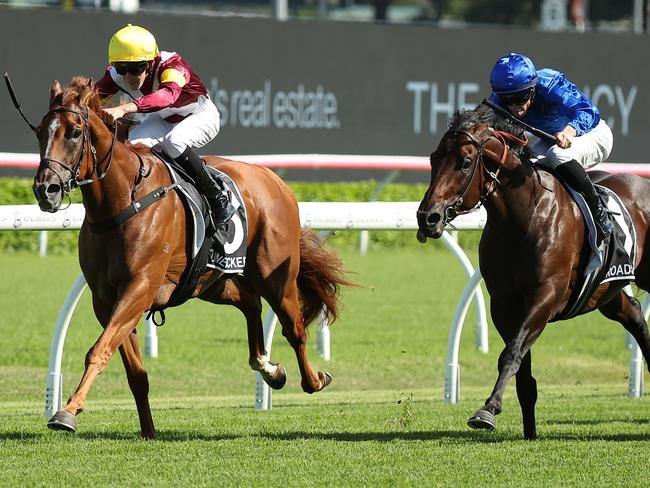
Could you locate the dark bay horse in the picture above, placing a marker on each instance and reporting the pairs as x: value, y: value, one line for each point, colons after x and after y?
x: 532, y: 249
x: 136, y: 266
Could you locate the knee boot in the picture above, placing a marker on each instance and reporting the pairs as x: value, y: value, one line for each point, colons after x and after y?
x: 219, y: 203
x: 575, y: 175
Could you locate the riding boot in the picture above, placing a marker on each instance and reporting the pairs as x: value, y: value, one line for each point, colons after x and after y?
x: 219, y: 202
x: 576, y: 177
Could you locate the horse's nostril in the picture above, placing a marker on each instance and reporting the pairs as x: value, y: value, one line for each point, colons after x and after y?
x: 433, y: 218
x: 53, y: 189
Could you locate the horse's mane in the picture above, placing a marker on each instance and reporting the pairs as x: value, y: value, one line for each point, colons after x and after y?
x: 484, y: 115
x: 82, y: 91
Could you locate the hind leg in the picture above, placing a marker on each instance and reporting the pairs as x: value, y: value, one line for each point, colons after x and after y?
x: 293, y: 329
x: 236, y: 291
x: 627, y: 311
x: 275, y: 279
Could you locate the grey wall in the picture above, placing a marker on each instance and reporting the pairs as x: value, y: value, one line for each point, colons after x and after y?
x: 306, y: 86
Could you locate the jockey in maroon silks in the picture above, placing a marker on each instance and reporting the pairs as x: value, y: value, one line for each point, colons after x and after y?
x: 178, y: 114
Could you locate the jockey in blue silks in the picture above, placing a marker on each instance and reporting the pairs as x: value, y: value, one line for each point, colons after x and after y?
x: 546, y: 100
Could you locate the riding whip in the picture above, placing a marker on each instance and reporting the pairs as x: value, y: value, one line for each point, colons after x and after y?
x: 514, y: 120
x: 15, y: 100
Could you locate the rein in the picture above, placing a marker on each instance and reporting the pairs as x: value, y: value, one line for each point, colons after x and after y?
x: 452, y: 211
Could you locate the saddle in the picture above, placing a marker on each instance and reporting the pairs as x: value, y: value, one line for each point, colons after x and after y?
x: 615, y: 258
x: 223, y: 249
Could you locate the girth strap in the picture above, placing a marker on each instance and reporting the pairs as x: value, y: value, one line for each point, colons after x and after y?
x: 131, y: 210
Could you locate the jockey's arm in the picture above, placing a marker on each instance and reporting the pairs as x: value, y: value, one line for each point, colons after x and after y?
x: 121, y: 110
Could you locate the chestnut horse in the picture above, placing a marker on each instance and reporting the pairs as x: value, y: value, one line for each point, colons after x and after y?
x: 532, y: 250
x: 136, y: 266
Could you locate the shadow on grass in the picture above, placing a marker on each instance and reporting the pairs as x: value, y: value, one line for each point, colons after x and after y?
x: 460, y: 436
x: 596, y: 421
x: 21, y: 436
x: 465, y: 436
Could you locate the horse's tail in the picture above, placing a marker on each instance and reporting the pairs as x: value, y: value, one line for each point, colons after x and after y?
x: 319, y: 279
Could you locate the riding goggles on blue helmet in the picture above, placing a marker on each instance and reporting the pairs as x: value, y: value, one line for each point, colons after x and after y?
x: 518, y: 98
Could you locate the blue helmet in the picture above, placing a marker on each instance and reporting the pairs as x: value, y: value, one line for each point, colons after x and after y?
x: 513, y: 73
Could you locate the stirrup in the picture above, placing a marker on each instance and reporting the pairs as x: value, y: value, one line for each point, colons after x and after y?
x: 222, y: 210
x: 604, y: 226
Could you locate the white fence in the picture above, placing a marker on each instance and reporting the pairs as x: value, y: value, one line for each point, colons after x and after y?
x: 330, y: 216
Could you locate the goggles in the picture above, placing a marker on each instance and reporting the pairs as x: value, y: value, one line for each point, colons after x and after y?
x: 133, y: 68
x: 518, y: 98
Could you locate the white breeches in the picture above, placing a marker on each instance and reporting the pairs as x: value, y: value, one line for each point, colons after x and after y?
x: 196, y: 130
x: 588, y: 149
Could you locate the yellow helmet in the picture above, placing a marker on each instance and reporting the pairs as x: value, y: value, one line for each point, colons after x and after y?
x: 132, y: 43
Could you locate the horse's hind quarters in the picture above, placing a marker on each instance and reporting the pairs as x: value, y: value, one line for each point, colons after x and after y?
x: 482, y: 419
x: 63, y: 420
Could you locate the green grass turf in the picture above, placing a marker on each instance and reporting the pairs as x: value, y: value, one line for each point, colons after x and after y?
x: 381, y: 421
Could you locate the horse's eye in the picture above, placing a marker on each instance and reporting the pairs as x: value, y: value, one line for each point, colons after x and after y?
x: 76, y: 132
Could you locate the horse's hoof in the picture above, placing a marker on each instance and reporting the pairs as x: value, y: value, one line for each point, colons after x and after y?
x: 280, y: 379
x: 148, y: 436
x: 325, y: 379
x: 63, y: 420
x: 530, y: 436
x: 482, y: 419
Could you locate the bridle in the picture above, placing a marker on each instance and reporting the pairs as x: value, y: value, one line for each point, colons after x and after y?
x: 75, y: 169
x: 65, y: 188
x: 453, y: 210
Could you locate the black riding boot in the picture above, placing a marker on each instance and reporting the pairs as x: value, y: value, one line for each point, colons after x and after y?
x: 575, y: 175
x: 221, y: 208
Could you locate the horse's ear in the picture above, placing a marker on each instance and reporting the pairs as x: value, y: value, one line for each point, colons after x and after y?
x: 90, y: 82
x: 56, y: 90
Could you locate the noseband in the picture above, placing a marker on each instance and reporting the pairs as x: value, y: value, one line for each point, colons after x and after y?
x: 452, y: 211
x: 75, y: 169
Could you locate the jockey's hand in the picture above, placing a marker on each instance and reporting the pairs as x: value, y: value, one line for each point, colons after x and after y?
x: 121, y: 110
x: 565, y: 136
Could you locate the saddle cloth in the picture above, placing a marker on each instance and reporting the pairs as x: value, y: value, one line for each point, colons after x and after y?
x: 615, y: 258
x: 224, y: 251
x: 228, y: 250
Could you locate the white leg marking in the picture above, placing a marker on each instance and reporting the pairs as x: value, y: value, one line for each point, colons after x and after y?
x: 264, y: 366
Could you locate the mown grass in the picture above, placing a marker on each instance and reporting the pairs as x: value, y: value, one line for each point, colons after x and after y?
x: 381, y: 422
